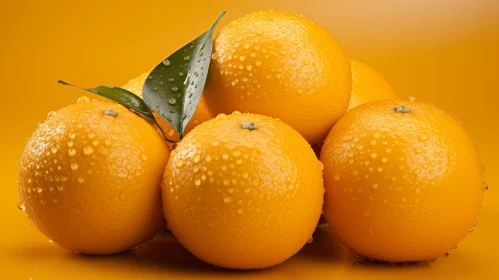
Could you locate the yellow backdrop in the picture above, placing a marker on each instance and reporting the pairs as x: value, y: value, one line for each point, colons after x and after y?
x: 444, y: 52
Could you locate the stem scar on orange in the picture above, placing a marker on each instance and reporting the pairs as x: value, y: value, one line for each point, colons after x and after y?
x: 283, y: 65
x: 403, y: 181
x: 240, y: 184
x: 89, y: 178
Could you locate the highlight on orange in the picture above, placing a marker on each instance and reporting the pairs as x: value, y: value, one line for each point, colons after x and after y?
x: 283, y: 65
x: 205, y: 164
x: 89, y: 178
x: 236, y: 185
x: 403, y: 180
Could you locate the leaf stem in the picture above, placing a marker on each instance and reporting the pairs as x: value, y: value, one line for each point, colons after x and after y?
x: 144, y: 112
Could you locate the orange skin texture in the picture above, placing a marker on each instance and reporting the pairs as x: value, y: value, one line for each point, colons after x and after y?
x: 401, y: 187
x: 368, y: 85
x: 201, y: 114
x: 90, y: 181
x: 243, y: 199
x: 283, y: 65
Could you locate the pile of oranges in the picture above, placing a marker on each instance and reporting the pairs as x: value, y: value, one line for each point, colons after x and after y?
x: 397, y: 180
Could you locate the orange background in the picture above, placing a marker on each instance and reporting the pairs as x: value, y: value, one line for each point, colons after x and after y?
x: 444, y: 52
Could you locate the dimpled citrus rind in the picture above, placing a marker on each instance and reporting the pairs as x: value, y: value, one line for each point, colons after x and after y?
x: 403, y: 181
x: 283, y: 65
x: 242, y: 198
x: 90, y: 175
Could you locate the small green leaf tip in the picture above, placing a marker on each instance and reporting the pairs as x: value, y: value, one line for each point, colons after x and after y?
x: 401, y: 109
x: 218, y: 20
x: 61, y: 82
x: 123, y: 97
x: 175, y: 85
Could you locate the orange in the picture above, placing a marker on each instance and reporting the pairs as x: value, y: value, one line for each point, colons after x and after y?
x: 283, y: 65
x: 90, y: 175
x: 243, y: 191
x: 201, y: 114
x: 403, y: 181
x: 368, y: 85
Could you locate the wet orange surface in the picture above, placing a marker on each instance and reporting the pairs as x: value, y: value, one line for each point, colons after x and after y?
x: 438, y: 51
x: 164, y: 258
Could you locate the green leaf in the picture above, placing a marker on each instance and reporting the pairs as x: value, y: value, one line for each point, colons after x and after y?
x: 123, y: 97
x: 174, y: 87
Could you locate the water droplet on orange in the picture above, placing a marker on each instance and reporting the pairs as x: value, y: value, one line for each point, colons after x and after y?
x: 179, y: 163
x: 422, y: 137
x: 196, y: 158
x: 88, y: 150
